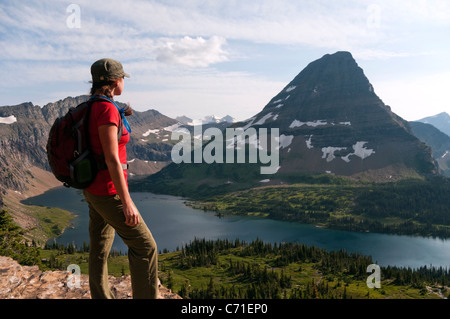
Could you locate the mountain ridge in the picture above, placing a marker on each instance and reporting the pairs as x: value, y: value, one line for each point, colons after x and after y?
x: 441, y: 121
x: 24, y: 135
x: 438, y: 141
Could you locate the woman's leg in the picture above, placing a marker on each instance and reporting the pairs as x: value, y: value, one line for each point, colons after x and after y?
x: 101, y: 237
x: 143, y: 258
x: 142, y: 249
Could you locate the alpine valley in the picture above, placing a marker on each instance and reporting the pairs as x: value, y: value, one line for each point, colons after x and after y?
x: 346, y: 162
x: 341, y: 152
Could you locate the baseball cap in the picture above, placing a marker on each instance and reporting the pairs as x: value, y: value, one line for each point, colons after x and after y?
x: 107, y: 69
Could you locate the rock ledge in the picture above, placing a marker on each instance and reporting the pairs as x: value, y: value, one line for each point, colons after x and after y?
x: 29, y: 282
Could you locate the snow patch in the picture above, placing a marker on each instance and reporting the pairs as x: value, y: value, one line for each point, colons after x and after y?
x: 249, y: 123
x: 316, y: 123
x: 172, y: 128
x: 297, y: 123
x: 279, y: 105
x: 8, y: 120
x: 285, y: 140
x: 309, y: 142
x: 264, y: 181
x: 360, y: 151
x: 155, y: 131
x: 291, y: 88
x: 264, y: 119
x: 328, y: 152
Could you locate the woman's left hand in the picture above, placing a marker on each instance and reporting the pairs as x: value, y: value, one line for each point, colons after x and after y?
x: 131, y: 215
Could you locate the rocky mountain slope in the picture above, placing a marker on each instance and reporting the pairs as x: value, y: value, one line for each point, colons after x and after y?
x: 330, y: 121
x: 24, y: 131
x: 28, y: 282
x: 439, y: 143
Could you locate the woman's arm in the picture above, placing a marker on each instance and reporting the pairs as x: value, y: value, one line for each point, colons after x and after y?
x: 108, y: 138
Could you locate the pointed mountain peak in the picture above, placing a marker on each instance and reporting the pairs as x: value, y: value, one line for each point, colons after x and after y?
x: 334, y: 76
x: 332, y: 88
x: 331, y: 119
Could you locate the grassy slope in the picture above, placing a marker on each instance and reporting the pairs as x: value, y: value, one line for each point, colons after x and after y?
x: 43, y: 222
x: 304, y: 275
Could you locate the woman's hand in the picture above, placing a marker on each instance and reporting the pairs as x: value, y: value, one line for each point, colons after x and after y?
x: 131, y: 215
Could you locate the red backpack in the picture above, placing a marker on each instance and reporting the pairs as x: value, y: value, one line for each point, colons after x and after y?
x: 68, y: 147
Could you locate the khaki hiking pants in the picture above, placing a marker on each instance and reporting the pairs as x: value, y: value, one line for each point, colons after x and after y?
x: 105, y: 218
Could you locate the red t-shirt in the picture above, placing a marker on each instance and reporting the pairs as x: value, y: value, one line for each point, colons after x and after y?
x: 105, y: 113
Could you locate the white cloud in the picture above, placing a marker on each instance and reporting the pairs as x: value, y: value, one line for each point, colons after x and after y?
x: 192, y: 52
x: 344, y: 24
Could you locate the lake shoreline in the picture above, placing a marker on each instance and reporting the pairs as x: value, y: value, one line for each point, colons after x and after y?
x: 174, y: 224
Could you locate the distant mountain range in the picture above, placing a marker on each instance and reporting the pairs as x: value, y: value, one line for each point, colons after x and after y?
x: 438, y: 141
x: 441, y: 121
x: 209, y: 119
x: 24, y: 132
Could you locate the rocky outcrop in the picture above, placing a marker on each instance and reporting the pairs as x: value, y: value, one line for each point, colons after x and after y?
x: 28, y: 282
x: 21, y: 144
x: 24, y: 132
x: 438, y: 141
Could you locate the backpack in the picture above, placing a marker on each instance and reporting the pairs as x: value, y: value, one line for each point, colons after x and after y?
x: 68, y: 147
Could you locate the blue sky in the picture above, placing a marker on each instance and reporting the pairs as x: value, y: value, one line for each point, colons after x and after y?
x: 197, y: 57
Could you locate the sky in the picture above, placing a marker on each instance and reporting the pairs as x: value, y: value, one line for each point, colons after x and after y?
x: 223, y: 57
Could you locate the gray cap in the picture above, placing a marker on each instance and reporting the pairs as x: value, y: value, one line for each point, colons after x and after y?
x: 107, y: 69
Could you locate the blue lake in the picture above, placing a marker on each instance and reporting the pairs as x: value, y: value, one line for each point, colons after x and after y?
x: 174, y: 224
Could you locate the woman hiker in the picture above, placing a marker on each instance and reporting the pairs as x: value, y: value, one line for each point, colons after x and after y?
x: 111, y: 208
